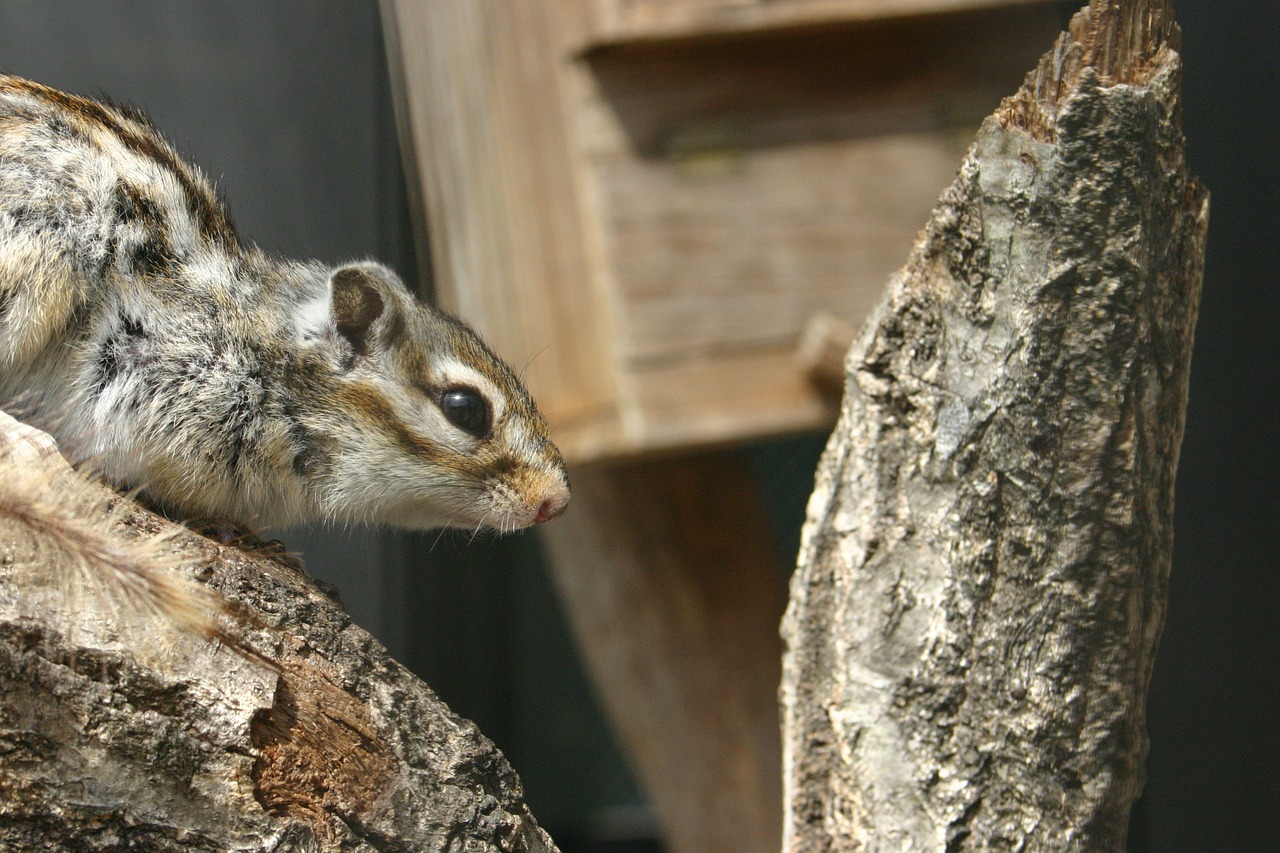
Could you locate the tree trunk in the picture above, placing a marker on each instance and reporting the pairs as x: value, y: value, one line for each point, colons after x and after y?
x: 983, y: 574
x: 121, y: 729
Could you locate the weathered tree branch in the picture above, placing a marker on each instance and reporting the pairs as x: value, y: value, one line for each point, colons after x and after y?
x: 982, y: 580
x: 125, y: 730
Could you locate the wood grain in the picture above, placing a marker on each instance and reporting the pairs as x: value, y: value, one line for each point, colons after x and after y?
x: 636, y: 20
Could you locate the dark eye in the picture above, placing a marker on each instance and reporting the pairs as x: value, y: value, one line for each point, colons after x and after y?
x: 467, y: 410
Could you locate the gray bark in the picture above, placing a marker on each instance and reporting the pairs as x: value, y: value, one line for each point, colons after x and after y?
x: 123, y: 730
x: 983, y: 572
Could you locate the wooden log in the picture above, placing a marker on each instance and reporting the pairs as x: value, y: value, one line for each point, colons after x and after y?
x: 983, y: 574
x: 121, y: 730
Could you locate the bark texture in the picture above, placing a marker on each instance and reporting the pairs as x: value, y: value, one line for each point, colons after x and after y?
x: 982, y: 578
x: 121, y: 730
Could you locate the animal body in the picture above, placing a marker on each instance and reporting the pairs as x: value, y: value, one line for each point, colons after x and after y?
x: 153, y: 342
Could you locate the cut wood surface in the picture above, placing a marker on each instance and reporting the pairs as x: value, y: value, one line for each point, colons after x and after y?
x: 983, y: 573
x: 120, y: 730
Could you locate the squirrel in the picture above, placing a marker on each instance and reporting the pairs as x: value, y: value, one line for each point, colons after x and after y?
x: 171, y: 357
x: 143, y: 334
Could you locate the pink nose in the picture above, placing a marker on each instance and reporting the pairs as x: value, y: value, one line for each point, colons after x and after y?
x: 551, y: 508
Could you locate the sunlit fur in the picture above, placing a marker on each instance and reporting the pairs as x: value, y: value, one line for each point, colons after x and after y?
x: 146, y: 336
x: 61, y: 532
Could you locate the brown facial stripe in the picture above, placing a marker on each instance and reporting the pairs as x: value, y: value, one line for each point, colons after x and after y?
x: 211, y: 219
x: 503, y: 466
x: 369, y: 402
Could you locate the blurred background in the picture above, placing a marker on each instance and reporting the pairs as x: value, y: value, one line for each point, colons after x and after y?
x: 291, y: 107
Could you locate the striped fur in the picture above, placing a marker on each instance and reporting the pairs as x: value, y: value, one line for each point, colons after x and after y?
x: 139, y: 329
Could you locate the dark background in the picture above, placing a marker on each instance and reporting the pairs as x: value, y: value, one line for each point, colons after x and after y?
x: 287, y: 105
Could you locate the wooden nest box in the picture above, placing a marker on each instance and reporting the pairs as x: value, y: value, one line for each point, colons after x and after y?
x: 642, y: 203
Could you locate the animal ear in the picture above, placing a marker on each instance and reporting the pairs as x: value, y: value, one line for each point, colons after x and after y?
x: 357, y: 303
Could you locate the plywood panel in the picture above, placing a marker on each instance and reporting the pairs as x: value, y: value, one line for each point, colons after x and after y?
x: 716, y: 264
x: 714, y: 401
x: 747, y: 183
x: 637, y: 219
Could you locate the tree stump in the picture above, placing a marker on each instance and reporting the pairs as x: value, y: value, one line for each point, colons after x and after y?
x: 121, y: 730
x: 983, y: 572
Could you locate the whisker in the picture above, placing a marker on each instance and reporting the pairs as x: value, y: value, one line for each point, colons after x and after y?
x: 476, y: 532
x: 439, y: 536
x: 531, y: 360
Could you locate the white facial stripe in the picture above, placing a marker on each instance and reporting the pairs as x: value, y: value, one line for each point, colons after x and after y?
x: 313, y: 316
x: 518, y: 436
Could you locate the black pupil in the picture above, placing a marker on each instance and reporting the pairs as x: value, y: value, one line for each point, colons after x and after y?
x: 466, y: 410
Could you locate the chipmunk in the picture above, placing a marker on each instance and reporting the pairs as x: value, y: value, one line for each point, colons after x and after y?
x: 141, y: 331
